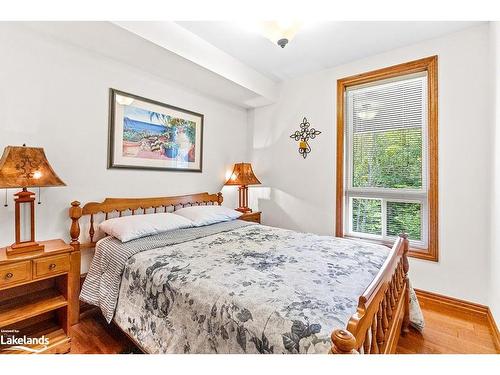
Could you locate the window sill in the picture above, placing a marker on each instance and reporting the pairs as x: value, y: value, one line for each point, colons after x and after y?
x: 423, y: 254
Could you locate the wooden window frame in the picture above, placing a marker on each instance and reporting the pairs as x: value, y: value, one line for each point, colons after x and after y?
x: 429, y: 65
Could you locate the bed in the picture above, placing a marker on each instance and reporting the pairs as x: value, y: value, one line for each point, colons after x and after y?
x: 240, y: 287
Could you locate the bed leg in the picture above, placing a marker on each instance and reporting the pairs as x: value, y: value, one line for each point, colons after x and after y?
x: 405, y: 328
x: 343, y: 342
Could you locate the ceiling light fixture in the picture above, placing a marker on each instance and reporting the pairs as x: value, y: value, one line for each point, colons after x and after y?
x: 280, y: 32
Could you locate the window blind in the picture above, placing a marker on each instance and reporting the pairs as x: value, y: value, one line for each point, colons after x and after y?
x: 386, y: 123
x: 386, y: 127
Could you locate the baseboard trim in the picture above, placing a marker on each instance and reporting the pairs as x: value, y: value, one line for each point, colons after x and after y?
x: 451, y: 302
x: 463, y: 306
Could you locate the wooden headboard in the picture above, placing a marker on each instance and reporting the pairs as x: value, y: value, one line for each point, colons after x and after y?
x: 116, y: 207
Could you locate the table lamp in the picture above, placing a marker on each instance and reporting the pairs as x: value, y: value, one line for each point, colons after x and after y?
x: 24, y: 167
x: 243, y: 176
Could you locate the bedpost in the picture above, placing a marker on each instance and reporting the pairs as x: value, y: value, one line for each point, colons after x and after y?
x: 406, y: 266
x: 219, y: 198
x: 75, y: 213
x: 343, y: 342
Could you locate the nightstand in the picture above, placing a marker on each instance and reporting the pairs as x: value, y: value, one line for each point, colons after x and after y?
x: 251, y: 216
x: 39, y: 297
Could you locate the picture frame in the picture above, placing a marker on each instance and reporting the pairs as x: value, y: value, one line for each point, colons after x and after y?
x: 148, y: 134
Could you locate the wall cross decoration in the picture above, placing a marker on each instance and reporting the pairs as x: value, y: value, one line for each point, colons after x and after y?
x: 303, y: 136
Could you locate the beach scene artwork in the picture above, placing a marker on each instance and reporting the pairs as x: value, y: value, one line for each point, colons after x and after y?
x: 154, y: 135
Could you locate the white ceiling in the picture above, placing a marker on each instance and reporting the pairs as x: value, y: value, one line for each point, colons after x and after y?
x: 163, y: 58
x: 317, y: 46
x: 227, y: 61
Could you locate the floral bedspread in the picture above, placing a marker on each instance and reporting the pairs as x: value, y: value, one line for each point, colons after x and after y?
x: 253, y: 289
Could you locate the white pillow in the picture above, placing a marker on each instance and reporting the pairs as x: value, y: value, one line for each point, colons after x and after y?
x: 129, y: 228
x: 206, y: 215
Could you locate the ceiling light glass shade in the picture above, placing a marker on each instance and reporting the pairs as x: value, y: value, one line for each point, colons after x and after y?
x: 277, y: 30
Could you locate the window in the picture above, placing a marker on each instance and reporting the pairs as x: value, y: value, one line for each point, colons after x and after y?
x: 387, y: 156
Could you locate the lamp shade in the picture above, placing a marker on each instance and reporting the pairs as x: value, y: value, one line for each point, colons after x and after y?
x: 243, y: 175
x: 23, y: 167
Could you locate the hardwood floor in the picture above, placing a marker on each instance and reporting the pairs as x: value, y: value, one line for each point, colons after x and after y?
x: 447, y: 330
x: 93, y: 335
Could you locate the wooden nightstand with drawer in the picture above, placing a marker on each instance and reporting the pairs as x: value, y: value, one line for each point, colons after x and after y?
x: 251, y: 216
x: 39, y: 297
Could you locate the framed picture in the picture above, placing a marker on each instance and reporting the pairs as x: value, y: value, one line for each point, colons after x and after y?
x: 146, y: 134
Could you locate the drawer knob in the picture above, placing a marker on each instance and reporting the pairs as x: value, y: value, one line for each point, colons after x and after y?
x: 9, y: 275
x: 52, y: 266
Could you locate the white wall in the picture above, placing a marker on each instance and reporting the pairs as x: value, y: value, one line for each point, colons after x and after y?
x: 299, y: 193
x: 495, y: 214
x: 55, y: 96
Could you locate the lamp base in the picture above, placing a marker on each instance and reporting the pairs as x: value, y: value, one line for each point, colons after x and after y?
x: 243, y: 209
x: 243, y: 199
x: 24, y: 247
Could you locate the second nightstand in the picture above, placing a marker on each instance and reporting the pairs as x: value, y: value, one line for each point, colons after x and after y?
x: 251, y: 216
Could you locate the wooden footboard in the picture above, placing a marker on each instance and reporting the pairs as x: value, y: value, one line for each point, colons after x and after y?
x: 383, y: 309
